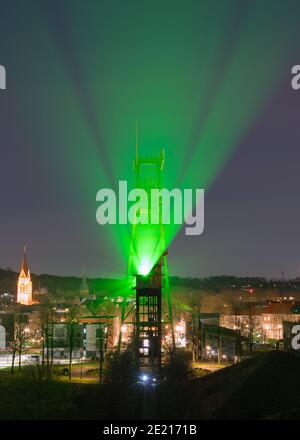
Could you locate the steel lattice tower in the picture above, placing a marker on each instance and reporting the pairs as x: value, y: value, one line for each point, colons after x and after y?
x: 149, y: 287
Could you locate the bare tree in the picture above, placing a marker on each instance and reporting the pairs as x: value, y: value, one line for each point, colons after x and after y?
x: 236, y: 309
x: 16, y: 347
x: 20, y: 335
x: 249, y: 326
x: 196, y: 343
x: 47, y: 326
x: 13, y: 350
x: 72, y: 321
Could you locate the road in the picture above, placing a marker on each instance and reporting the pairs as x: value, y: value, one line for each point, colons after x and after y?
x: 5, y: 360
x: 210, y: 366
x: 84, y: 372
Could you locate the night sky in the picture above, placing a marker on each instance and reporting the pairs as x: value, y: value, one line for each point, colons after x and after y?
x: 79, y: 74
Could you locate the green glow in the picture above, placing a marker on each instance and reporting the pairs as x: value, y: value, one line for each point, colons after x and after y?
x: 145, y: 266
x: 195, y: 79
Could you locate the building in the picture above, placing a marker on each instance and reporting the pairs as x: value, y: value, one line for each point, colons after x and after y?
x: 263, y: 320
x: 275, y: 314
x: 90, y: 335
x: 2, y: 338
x: 7, y: 323
x: 24, y: 292
x: 61, y: 340
x: 6, y: 299
x: 99, y: 332
x: 216, y: 342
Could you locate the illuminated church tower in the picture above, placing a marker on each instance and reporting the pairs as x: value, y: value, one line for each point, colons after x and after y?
x: 24, y: 283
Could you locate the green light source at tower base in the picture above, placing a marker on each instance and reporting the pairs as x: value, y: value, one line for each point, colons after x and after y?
x: 145, y: 266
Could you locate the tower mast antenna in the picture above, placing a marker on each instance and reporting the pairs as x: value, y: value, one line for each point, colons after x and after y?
x: 136, y: 142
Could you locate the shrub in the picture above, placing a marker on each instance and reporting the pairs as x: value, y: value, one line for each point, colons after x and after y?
x: 120, y: 367
x: 178, y: 366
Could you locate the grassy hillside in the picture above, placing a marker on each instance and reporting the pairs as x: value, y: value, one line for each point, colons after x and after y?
x: 266, y: 386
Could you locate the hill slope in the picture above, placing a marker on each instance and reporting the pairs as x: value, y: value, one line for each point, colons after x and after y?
x: 265, y: 386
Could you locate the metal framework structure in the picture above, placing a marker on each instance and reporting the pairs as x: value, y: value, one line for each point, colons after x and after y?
x: 146, y: 311
x: 148, y: 318
x: 150, y: 288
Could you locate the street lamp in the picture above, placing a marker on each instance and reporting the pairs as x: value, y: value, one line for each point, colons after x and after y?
x: 208, y: 351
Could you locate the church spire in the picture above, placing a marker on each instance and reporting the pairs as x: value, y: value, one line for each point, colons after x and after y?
x: 24, y: 292
x: 84, y: 289
x: 24, y: 265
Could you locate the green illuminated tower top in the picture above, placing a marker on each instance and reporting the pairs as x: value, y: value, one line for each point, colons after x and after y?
x: 147, y: 239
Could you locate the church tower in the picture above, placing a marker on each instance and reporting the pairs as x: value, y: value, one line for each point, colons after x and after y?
x: 84, y: 288
x: 24, y: 295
